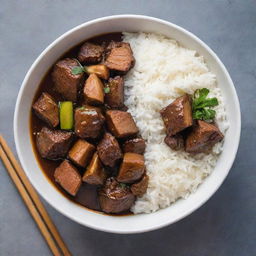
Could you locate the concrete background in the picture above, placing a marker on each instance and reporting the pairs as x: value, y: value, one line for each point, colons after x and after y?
x: 226, y: 224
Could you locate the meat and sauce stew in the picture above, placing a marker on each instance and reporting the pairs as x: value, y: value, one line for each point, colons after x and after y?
x: 86, y: 142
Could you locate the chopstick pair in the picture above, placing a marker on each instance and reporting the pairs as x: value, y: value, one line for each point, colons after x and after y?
x: 32, y: 201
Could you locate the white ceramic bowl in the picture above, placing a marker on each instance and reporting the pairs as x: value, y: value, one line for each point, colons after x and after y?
x: 141, y: 222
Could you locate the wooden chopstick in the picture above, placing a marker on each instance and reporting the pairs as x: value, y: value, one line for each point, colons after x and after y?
x: 29, y: 203
x: 32, y: 200
x: 35, y: 198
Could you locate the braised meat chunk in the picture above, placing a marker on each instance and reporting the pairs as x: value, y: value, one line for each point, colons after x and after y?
x: 100, y: 70
x: 132, y: 168
x: 93, y: 90
x: 90, y: 53
x: 87, y: 196
x: 53, y: 144
x: 136, y: 145
x: 112, y: 45
x: 202, y: 137
x: 115, y: 197
x: 115, y: 97
x: 178, y: 115
x: 68, y: 177
x: 88, y: 122
x: 120, y: 57
x: 175, y: 142
x: 66, y: 83
x: 140, y: 188
x: 121, y: 123
x: 109, y: 150
x: 89, y: 142
x: 47, y: 109
x: 95, y: 173
x: 81, y: 153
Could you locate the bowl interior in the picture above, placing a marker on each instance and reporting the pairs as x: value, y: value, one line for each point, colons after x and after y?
x: 142, y: 222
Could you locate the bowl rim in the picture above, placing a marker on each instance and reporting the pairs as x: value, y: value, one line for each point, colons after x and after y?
x: 114, y: 17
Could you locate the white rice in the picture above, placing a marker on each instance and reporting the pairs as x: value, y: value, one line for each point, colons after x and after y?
x: 164, y: 70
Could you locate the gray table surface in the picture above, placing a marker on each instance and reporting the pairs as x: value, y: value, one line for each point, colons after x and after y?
x: 226, y: 224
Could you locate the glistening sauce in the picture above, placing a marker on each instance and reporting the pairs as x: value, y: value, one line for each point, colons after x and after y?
x: 87, y: 194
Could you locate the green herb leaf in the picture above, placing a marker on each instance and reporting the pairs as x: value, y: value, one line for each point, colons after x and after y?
x: 122, y: 185
x: 77, y: 70
x: 209, y: 114
x: 198, y: 114
x: 201, y: 105
x: 200, y: 95
x: 107, y: 90
x: 211, y: 102
x: 203, y: 92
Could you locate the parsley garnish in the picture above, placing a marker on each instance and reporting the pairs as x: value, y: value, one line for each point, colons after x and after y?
x: 107, y: 90
x: 202, y: 105
x: 77, y: 70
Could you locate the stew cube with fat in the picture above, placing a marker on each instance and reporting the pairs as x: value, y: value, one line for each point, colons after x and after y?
x: 115, y: 197
x: 175, y: 142
x: 203, y: 137
x: 65, y: 82
x: 90, y: 53
x: 136, y: 145
x: 68, y: 177
x: 109, y: 150
x: 121, y: 123
x: 47, y: 109
x: 88, y: 122
x: 53, y: 144
x: 93, y: 90
x: 177, y: 116
x: 132, y: 168
x: 81, y: 153
x: 140, y: 188
x: 95, y: 173
x: 120, y: 57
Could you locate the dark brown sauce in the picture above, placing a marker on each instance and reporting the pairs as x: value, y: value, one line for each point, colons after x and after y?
x: 87, y: 194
